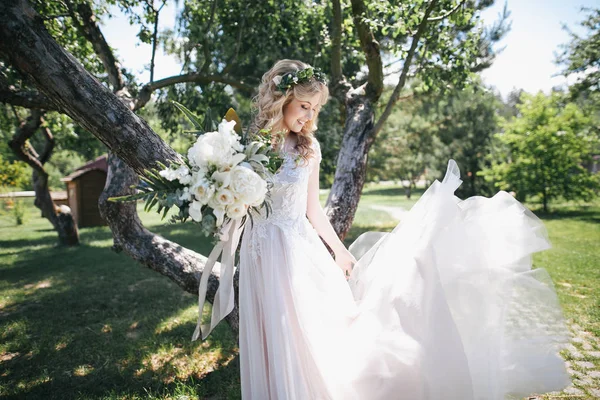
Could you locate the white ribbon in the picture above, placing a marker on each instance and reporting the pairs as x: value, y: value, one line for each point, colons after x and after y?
x: 224, y: 297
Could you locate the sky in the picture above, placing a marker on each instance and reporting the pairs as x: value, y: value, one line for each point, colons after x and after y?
x: 526, y: 62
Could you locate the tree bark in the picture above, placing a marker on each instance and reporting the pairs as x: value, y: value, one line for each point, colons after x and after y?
x: 60, y: 217
x: 351, y: 168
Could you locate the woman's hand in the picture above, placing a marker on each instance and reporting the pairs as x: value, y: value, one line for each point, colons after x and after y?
x: 345, y: 260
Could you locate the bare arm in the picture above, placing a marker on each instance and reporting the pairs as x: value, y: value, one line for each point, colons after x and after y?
x: 318, y: 219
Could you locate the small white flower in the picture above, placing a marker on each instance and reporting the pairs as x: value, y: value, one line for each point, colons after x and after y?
x: 186, y: 195
x: 224, y: 197
x: 169, y: 174
x: 195, y: 211
x: 203, y: 191
x: 220, y: 214
x: 295, y: 79
x: 237, y: 210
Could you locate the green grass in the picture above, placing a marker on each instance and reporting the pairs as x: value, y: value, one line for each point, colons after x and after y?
x: 89, y: 323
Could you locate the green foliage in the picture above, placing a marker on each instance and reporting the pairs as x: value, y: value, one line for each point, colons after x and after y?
x: 426, y: 131
x: 15, y: 174
x: 406, y: 148
x: 546, y: 149
x: 581, y: 57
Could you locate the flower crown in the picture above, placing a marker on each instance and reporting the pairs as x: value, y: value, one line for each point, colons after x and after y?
x: 293, y: 78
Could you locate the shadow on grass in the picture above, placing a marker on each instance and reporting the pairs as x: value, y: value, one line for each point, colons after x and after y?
x: 84, y: 322
x: 587, y: 214
x: 394, y: 192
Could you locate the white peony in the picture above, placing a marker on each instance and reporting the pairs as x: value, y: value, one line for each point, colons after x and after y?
x: 248, y: 186
x: 210, y: 148
x: 237, y: 210
x: 216, y: 148
x: 195, y: 211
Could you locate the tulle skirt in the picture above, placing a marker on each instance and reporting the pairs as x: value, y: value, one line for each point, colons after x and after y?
x: 446, y: 306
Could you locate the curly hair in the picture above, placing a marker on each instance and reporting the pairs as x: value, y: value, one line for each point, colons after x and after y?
x: 270, y: 103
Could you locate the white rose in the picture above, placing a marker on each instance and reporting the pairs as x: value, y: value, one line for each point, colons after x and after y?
x: 224, y: 197
x: 248, y: 186
x: 237, y: 210
x: 195, y: 211
x: 203, y: 191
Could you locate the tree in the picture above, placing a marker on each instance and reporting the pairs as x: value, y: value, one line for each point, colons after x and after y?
x: 546, y: 148
x: 467, y: 121
x: 407, y: 146
x: 581, y: 57
x: 429, y: 130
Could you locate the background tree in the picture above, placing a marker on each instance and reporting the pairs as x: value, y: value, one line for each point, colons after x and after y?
x: 428, y: 130
x: 546, y: 148
x: 580, y: 58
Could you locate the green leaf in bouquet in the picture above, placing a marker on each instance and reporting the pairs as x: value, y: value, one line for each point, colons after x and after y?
x: 231, y: 115
x: 130, y: 197
x: 195, y: 120
x: 210, y: 123
x: 151, y: 202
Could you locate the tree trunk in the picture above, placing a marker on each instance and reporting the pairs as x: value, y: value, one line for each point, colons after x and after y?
x: 181, y: 265
x: 351, y: 163
x: 60, y: 217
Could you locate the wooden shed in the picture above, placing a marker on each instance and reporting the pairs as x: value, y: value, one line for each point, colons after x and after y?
x: 84, y: 186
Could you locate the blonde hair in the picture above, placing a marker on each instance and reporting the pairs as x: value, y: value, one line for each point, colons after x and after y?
x: 270, y: 102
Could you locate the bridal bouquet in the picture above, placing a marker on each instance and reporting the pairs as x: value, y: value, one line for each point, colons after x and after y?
x: 224, y: 179
x: 225, y: 175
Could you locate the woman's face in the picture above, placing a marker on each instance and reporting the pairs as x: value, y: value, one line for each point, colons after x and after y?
x: 297, y: 112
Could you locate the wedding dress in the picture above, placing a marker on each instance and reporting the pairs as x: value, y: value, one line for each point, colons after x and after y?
x: 446, y: 306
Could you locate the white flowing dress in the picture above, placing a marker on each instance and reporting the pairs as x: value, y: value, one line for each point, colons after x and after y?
x: 446, y: 306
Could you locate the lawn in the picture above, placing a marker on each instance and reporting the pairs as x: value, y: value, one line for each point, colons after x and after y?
x: 89, y: 323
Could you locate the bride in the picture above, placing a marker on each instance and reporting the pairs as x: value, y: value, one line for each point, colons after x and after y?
x: 446, y: 306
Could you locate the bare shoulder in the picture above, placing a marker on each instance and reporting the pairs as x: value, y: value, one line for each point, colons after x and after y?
x: 316, y: 148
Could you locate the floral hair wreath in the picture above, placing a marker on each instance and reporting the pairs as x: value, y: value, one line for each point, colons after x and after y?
x: 293, y: 78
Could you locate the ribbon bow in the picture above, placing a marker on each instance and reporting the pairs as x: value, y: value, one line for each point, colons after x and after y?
x: 224, y: 297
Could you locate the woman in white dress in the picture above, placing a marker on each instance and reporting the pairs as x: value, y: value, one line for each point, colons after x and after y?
x: 446, y: 306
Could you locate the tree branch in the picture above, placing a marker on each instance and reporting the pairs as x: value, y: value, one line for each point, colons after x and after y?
x: 19, y: 141
x: 370, y: 47
x: 91, y: 31
x: 149, y: 88
x: 48, y: 147
x: 339, y: 86
x: 405, y: 68
x: 23, y: 98
x: 449, y: 13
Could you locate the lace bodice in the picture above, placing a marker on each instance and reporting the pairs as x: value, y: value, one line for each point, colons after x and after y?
x: 288, y: 199
x: 290, y: 187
